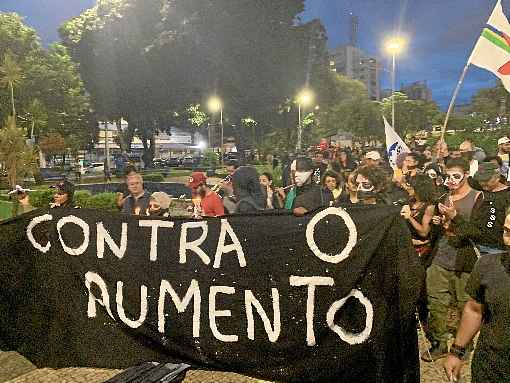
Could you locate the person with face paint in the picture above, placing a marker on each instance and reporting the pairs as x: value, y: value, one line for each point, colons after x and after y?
x: 309, y: 195
x: 454, y: 257
x: 485, y: 228
x: 371, y: 183
x: 487, y: 311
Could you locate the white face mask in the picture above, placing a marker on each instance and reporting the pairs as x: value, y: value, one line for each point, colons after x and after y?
x: 302, y: 177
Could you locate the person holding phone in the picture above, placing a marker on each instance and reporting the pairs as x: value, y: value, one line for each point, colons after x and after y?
x: 454, y: 257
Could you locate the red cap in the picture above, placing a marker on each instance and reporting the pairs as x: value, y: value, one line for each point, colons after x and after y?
x: 196, y: 179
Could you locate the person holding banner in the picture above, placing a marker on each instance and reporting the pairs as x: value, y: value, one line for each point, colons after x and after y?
x: 63, y: 197
x: 310, y: 196
x: 487, y: 311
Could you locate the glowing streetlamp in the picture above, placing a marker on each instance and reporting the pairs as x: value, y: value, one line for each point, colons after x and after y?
x: 215, y: 105
x: 394, y: 46
x: 304, y: 98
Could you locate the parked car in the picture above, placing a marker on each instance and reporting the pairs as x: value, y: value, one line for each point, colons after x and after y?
x: 95, y: 168
x: 187, y: 161
x: 159, y: 162
x: 173, y: 162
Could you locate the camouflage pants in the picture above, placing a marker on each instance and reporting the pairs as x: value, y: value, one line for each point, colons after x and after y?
x: 443, y: 287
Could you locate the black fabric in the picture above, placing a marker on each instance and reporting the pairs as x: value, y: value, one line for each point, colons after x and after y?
x: 312, y: 197
x: 247, y: 190
x: 44, y: 301
x: 489, y: 285
x: 152, y: 372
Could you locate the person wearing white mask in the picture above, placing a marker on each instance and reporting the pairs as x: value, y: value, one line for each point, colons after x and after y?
x: 309, y: 195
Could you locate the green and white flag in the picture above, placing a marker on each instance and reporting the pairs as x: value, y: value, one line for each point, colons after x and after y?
x: 492, y: 51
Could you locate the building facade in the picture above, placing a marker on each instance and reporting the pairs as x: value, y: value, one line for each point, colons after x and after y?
x: 351, y: 61
x: 418, y: 90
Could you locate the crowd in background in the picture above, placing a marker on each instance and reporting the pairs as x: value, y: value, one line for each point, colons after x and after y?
x: 454, y: 201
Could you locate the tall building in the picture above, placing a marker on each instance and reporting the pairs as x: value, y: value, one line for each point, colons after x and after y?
x: 418, y: 90
x: 351, y: 61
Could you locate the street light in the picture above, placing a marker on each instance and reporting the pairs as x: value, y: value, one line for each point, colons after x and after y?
x: 394, y: 46
x: 304, y: 98
x: 215, y: 105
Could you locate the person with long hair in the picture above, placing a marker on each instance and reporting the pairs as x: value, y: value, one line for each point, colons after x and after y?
x: 418, y: 214
x: 274, y: 197
x: 419, y: 211
x: 333, y: 182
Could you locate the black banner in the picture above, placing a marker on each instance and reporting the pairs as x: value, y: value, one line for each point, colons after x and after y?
x: 327, y: 297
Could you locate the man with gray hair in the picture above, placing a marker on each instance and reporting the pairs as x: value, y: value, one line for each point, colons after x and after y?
x: 138, y: 200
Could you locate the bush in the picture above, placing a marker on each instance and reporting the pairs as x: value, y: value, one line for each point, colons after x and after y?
x: 81, y: 198
x: 102, y: 201
x: 211, y: 159
x: 154, y: 177
x: 41, y: 198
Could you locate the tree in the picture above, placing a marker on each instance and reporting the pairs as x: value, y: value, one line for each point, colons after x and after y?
x: 53, y: 144
x: 50, y: 96
x: 10, y: 75
x: 18, y: 158
x: 410, y: 115
x: 347, y: 108
x: 252, y: 54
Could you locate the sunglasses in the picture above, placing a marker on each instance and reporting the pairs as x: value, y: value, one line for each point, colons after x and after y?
x: 364, y: 186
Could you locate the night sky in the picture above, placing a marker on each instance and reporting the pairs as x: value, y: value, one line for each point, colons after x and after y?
x: 441, y: 34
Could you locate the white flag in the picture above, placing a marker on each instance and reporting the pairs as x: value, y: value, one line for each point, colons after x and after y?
x: 492, y: 51
x: 498, y: 20
x: 394, y: 144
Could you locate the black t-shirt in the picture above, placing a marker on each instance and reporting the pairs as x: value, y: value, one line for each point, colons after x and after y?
x: 312, y: 197
x: 489, y: 285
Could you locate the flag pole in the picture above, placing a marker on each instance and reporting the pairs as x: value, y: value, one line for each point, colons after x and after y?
x: 452, y: 102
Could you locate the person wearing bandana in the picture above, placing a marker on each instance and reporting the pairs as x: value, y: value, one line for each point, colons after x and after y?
x: 487, y: 311
x: 309, y: 195
x: 454, y: 257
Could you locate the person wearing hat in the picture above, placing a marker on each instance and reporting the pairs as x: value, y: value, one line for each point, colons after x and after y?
x: 372, y: 158
x: 206, y: 202
x: 309, y: 195
x: 22, y: 199
x: 159, y: 205
x: 63, y: 197
x: 504, y: 154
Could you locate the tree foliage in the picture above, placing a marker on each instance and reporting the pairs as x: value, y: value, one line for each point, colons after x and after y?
x: 18, y: 158
x: 410, y: 115
x: 145, y: 60
x: 50, y: 96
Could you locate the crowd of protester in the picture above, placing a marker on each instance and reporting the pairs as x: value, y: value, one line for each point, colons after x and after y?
x: 454, y: 200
